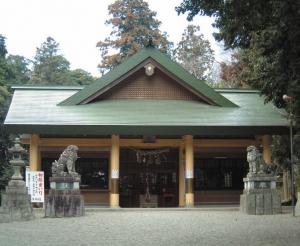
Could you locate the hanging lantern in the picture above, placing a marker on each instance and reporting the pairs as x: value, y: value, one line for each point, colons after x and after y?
x: 149, y: 69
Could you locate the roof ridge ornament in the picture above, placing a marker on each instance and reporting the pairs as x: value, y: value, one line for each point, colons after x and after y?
x: 150, y: 43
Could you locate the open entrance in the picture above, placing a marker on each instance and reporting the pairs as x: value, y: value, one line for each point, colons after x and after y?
x: 219, y: 174
x: 149, y: 178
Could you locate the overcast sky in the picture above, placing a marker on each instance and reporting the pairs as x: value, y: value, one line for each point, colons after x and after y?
x: 77, y: 25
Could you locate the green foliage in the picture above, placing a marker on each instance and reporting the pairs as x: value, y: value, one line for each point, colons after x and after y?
x: 5, y: 74
x: 18, y: 66
x: 5, y: 168
x: 133, y: 25
x: 235, y: 19
x: 280, y: 149
x: 48, y: 50
x: 268, y: 34
x: 3, y: 50
x: 281, y: 154
x: 194, y: 53
x: 79, y: 77
x: 5, y: 70
x: 51, y: 68
x: 4, y: 101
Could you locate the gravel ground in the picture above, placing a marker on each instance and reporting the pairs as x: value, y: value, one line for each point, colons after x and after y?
x: 170, y: 227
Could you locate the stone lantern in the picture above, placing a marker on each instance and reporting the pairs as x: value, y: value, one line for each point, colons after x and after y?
x: 16, y: 203
x: 17, y: 152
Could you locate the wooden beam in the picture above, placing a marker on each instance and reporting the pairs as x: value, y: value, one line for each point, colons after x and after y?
x: 80, y: 142
x: 139, y: 143
x: 224, y: 143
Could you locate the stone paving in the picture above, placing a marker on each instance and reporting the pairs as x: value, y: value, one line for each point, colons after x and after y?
x: 155, y: 227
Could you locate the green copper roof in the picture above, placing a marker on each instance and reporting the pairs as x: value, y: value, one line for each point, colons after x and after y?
x: 37, y: 111
x: 132, y: 62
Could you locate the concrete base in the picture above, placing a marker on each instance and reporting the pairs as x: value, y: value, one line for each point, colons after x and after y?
x: 297, y: 208
x: 260, y: 203
x: 260, y: 196
x: 64, y: 203
x: 16, y: 203
x: 65, y: 200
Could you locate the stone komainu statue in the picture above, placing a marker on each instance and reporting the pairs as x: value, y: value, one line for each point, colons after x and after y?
x: 257, y: 165
x: 66, y: 162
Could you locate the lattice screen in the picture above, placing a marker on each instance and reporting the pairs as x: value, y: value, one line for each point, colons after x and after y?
x: 158, y: 86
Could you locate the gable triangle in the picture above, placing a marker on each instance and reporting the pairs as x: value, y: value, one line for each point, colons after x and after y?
x: 133, y: 65
x: 139, y: 85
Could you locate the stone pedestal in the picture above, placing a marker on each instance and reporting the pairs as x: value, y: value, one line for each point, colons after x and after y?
x: 16, y: 204
x: 260, y: 195
x: 64, y: 198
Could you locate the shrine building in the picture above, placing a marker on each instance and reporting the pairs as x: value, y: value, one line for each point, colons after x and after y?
x: 149, y: 134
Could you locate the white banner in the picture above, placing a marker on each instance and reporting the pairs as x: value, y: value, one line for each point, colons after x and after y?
x: 115, y: 174
x: 35, y: 185
x: 189, y: 174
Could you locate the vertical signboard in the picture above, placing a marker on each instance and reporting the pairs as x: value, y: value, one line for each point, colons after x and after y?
x: 35, y: 185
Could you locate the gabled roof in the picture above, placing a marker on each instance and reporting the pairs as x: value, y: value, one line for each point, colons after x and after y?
x: 108, y: 80
x: 28, y: 113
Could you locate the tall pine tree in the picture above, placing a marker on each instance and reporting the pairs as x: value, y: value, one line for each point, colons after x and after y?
x: 133, y: 25
x: 194, y: 53
x: 50, y: 67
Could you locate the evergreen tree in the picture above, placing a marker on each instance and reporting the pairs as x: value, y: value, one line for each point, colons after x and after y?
x: 3, y: 50
x: 80, y: 77
x: 267, y: 33
x: 194, y: 53
x: 133, y: 25
x: 5, y: 70
x: 5, y: 74
x: 20, y: 72
x: 50, y: 68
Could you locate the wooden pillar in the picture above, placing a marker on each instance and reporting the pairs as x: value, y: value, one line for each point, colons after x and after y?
x: 189, y: 171
x: 34, y: 153
x: 114, y: 171
x: 266, y: 143
x: 181, y: 168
